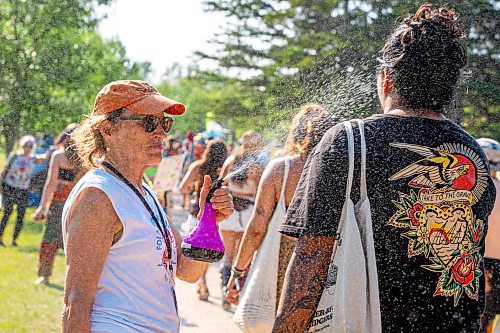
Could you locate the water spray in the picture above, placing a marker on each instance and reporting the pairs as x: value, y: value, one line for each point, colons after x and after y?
x: 204, y: 242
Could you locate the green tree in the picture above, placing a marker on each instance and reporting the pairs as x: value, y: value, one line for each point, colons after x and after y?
x: 291, y: 52
x: 52, y: 63
x: 231, y: 103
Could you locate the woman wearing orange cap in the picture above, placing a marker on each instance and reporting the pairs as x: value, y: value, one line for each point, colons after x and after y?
x: 122, y: 253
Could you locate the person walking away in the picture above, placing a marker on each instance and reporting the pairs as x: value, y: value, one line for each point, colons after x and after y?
x: 244, y: 170
x: 429, y: 189
x: 492, y: 251
x: 307, y: 128
x: 122, y: 253
x: 64, y: 171
x: 15, y: 183
x: 210, y: 164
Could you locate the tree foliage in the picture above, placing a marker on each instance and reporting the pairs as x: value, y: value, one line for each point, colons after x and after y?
x: 296, y: 51
x: 228, y: 100
x: 52, y: 63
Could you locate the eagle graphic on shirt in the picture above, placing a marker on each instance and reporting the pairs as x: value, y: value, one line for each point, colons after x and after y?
x: 438, y: 169
x: 437, y: 214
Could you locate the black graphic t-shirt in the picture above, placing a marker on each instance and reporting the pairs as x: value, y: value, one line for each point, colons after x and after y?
x: 430, y: 197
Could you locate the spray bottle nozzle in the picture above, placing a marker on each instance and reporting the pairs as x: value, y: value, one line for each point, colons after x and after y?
x: 217, y: 184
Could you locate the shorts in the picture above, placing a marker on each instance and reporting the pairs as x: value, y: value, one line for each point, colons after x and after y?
x: 238, y: 221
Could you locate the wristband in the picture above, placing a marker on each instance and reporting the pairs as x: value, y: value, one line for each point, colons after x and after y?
x: 237, y: 272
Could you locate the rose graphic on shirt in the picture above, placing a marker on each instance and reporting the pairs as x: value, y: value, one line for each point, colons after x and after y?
x: 437, y: 214
x: 464, y: 268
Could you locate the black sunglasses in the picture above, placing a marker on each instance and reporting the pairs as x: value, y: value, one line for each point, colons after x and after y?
x: 150, y: 123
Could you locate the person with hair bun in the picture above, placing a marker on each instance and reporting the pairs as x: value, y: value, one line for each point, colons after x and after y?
x: 429, y: 189
x: 307, y: 128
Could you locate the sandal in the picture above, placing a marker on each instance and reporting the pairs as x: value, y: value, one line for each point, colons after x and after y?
x: 203, y: 293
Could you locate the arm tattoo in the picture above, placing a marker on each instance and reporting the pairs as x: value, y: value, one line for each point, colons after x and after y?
x: 302, y: 289
x: 260, y: 210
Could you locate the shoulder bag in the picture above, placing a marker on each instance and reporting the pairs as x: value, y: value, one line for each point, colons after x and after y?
x: 350, y: 299
x: 256, y: 309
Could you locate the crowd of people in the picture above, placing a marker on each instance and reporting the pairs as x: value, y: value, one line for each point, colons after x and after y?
x: 429, y: 187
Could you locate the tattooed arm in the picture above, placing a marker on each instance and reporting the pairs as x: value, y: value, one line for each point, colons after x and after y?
x: 305, y: 277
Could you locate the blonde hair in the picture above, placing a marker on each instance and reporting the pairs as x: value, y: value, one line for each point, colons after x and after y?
x: 89, y: 142
x: 307, y: 128
x: 251, y: 141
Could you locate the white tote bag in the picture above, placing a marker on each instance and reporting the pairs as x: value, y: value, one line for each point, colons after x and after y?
x: 256, y: 309
x: 350, y: 300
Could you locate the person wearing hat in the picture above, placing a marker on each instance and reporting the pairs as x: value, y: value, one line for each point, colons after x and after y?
x: 122, y: 253
x: 492, y: 249
x: 64, y: 171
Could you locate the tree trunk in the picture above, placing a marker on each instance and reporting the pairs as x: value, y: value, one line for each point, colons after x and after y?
x: 455, y: 110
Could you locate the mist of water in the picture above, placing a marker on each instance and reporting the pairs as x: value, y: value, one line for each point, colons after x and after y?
x: 346, y: 92
x: 261, y: 157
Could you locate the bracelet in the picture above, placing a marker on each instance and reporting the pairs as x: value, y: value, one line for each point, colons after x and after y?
x: 237, y: 272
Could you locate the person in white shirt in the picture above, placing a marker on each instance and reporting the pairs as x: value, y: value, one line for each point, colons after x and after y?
x: 122, y: 253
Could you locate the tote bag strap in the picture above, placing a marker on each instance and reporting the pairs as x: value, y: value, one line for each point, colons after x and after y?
x: 350, y: 176
x: 281, y: 199
x: 362, y: 186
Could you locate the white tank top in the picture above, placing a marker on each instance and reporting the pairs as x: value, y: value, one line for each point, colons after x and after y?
x: 135, y: 292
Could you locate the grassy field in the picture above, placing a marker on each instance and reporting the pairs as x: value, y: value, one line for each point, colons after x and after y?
x: 25, y: 306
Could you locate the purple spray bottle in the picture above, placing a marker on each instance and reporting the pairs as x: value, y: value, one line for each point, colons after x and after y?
x: 204, y: 242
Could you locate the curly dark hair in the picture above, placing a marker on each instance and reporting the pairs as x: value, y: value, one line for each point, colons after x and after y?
x: 213, y: 158
x: 424, y: 57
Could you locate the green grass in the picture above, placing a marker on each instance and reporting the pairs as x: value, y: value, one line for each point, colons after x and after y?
x: 24, y: 306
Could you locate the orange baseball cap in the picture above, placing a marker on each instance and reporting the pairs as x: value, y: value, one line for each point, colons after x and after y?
x: 137, y: 96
